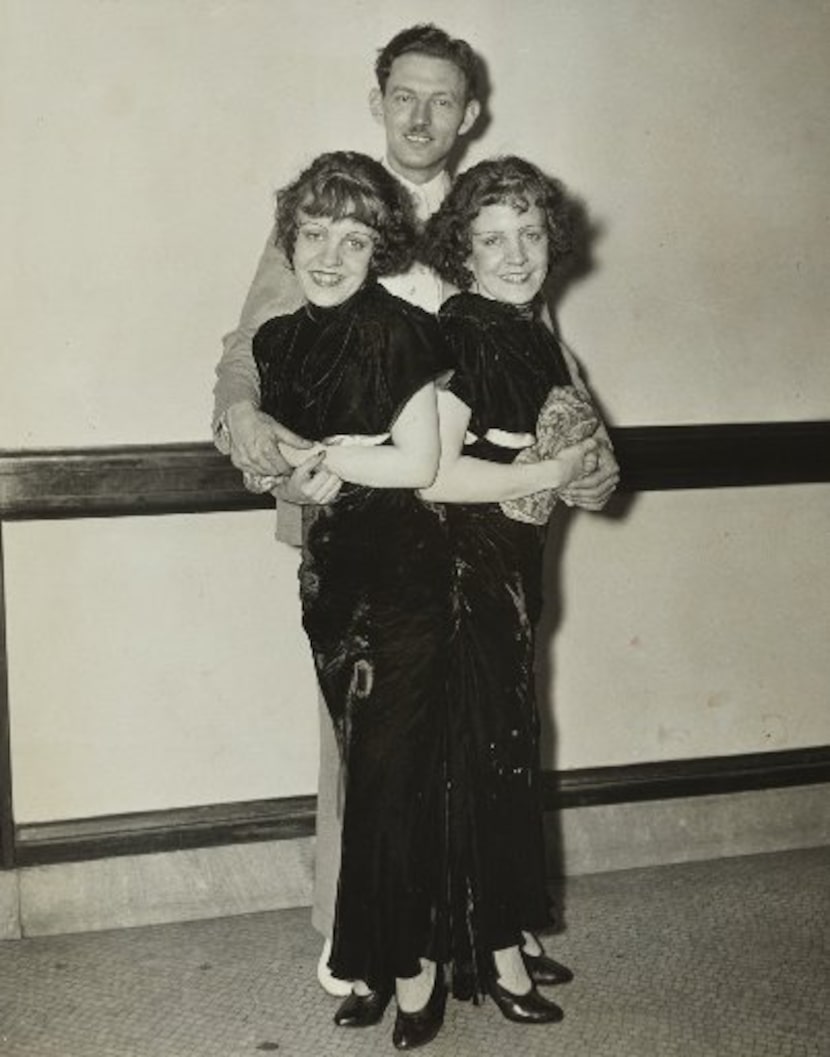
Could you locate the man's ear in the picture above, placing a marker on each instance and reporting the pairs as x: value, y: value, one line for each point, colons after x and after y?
x: 471, y: 112
x: 376, y: 105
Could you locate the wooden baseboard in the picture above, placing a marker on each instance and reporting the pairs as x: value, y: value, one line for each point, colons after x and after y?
x: 146, y: 832
x: 291, y: 817
x: 669, y: 779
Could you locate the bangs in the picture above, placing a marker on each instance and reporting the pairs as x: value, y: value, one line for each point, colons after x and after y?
x: 339, y: 197
x: 517, y: 196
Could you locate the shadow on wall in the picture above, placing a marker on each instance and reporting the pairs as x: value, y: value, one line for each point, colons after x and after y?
x: 585, y: 233
x: 462, y: 144
x: 553, y: 616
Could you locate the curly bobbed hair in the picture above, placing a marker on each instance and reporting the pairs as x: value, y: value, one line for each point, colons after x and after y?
x: 345, y: 184
x: 446, y: 243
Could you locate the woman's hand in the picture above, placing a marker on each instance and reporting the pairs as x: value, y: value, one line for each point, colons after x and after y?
x: 310, y: 483
x: 593, y: 491
x: 570, y: 464
x: 295, y: 456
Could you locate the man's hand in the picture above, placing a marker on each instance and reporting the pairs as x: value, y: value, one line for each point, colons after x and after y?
x: 254, y: 438
x: 593, y: 491
x: 310, y: 483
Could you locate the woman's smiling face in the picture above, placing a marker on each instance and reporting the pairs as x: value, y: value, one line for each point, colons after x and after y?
x: 331, y: 258
x: 509, y: 252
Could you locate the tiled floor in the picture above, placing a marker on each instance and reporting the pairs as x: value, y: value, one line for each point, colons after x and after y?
x: 729, y: 958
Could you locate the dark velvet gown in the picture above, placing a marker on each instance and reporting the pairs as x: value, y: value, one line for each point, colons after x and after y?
x: 505, y: 362
x: 373, y: 585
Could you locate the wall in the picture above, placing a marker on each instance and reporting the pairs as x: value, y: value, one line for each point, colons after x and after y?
x: 159, y: 663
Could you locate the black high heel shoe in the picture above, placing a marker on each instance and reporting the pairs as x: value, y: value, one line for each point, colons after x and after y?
x: 417, y: 1029
x: 545, y: 971
x: 362, y: 1011
x: 529, y: 1008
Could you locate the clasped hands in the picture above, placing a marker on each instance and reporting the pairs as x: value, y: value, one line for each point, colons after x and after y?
x: 601, y: 475
x: 273, y: 459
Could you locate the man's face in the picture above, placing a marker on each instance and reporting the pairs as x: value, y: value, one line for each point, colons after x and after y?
x: 423, y: 110
x: 509, y: 254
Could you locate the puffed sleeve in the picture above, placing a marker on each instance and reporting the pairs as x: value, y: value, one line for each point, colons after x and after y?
x: 473, y: 381
x: 415, y: 353
x: 265, y: 351
x: 465, y: 341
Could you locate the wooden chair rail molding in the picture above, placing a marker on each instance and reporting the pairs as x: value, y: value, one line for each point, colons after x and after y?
x: 193, y: 477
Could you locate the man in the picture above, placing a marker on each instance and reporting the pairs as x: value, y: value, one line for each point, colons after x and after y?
x: 427, y: 97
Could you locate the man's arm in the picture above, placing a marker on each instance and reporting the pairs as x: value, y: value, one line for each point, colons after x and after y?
x: 240, y: 429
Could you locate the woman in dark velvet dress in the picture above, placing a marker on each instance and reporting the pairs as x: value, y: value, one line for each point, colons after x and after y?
x: 499, y: 228
x: 354, y: 370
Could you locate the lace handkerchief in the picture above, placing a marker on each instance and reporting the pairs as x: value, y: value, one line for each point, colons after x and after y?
x: 566, y: 418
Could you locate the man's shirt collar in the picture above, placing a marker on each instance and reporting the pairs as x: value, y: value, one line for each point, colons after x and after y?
x: 428, y: 196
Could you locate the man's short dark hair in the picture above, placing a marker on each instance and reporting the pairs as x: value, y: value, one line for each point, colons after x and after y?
x: 427, y: 39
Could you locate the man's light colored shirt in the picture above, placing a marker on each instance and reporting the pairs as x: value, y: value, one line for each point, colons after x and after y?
x: 420, y: 285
